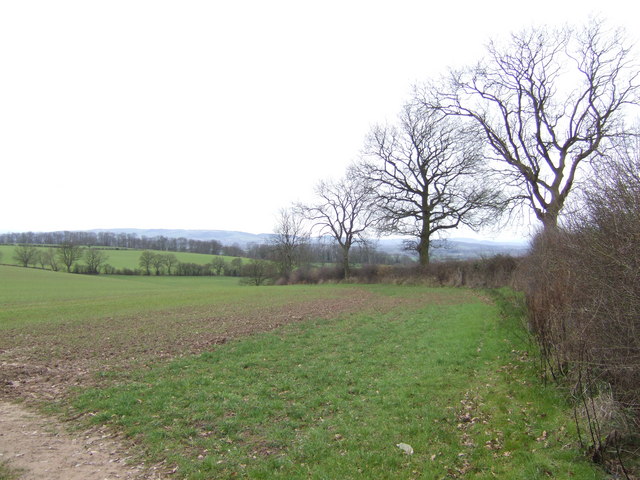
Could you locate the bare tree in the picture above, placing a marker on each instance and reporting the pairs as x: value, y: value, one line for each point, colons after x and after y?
x: 424, y: 171
x: 256, y: 272
x: 95, y: 259
x: 344, y: 211
x: 146, y: 261
x: 233, y: 268
x: 25, y: 255
x: 218, y: 264
x: 622, y: 160
x: 50, y: 257
x: 547, y: 102
x: 158, y: 261
x: 289, y: 241
x: 68, y: 253
x: 41, y: 258
x: 170, y: 260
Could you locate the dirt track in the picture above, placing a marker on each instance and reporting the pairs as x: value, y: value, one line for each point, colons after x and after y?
x: 40, y: 449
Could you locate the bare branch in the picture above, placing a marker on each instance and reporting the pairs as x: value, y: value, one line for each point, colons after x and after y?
x: 546, y: 103
x: 423, y: 172
x: 343, y: 211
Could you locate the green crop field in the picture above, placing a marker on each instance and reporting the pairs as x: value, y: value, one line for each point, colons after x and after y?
x: 120, y: 258
x: 214, y: 380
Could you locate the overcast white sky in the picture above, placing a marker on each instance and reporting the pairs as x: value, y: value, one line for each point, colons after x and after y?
x: 212, y: 114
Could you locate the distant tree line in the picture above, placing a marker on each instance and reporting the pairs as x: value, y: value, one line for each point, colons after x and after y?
x: 273, y: 261
x: 122, y: 240
x: 316, y: 251
x: 66, y: 255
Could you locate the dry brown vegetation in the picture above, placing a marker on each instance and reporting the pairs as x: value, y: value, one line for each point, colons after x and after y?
x: 492, y: 272
x: 582, y: 284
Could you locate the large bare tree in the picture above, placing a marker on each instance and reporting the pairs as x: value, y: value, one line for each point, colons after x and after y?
x: 424, y: 171
x: 547, y: 102
x: 343, y: 211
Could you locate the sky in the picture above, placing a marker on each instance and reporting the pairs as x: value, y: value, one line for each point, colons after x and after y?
x: 215, y: 115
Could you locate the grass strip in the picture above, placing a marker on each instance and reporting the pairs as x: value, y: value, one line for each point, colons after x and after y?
x: 333, y: 399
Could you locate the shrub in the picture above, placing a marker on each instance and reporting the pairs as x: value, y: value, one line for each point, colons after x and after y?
x: 257, y: 272
x: 129, y: 271
x: 193, y: 269
x: 582, y: 284
x: 109, y: 269
x: 490, y: 272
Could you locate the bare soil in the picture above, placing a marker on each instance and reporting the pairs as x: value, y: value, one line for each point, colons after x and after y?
x: 39, y: 448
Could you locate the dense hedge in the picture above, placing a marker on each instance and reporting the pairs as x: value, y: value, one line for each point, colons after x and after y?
x: 582, y: 286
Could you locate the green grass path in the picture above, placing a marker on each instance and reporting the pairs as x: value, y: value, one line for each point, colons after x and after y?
x: 332, y: 399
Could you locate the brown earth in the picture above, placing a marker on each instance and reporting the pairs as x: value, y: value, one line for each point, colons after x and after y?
x: 39, y: 448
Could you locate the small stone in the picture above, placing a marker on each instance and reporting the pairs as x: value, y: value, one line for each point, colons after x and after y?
x: 406, y: 448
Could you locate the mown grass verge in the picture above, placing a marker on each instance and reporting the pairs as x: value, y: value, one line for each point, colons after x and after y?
x: 333, y: 398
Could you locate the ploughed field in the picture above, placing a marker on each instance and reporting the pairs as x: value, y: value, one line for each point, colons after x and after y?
x: 205, y: 378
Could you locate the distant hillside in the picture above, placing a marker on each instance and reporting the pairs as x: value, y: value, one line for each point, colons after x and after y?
x: 460, y: 248
x: 468, y: 248
x: 226, y: 237
x: 455, y: 248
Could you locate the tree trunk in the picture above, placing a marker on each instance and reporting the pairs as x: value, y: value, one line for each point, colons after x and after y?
x: 423, y: 250
x: 549, y: 217
x: 346, y: 269
x: 425, y: 234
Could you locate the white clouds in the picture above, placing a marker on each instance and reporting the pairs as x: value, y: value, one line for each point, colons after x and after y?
x: 210, y: 114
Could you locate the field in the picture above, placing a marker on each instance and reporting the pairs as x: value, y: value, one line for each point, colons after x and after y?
x: 208, y: 379
x: 121, y: 258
